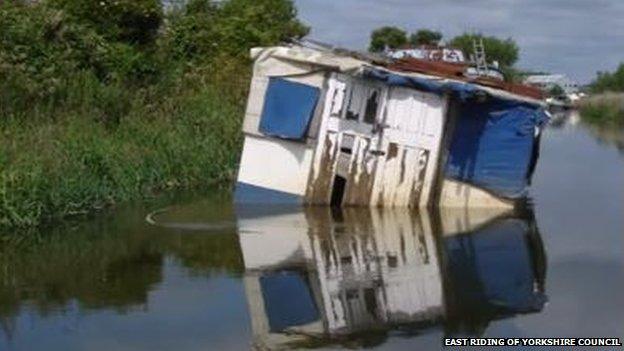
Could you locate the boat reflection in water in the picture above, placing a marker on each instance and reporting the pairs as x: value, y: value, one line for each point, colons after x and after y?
x: 320, y: 276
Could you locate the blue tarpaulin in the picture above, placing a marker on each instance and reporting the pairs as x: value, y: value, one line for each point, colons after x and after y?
x: 463, y: 90
x: 494, y: 146
x: 288, y: 109
x: 288, y: 300
x: 493, y: 268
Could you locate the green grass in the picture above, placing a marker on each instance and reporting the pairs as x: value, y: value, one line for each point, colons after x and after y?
x: 74, y: 160
x: 100, y: 104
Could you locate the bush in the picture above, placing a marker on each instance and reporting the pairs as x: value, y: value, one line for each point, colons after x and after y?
x: 76, y: 165
x: 387, y: 37
x: 244, y: 24
x: 134, y: 22
x: 600, y: 114
x: 43, y: 52
x: 203, y: 30
x: 605, y: 110
x: 613, y: 82
x: 425, y: 37
x: 104, y: 101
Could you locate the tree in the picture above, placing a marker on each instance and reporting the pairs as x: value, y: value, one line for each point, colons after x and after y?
x: 134, y: 22
x: 606, y: 81
x: 425, y: 37
x: 243, y: 24
x: 505, y: 52
x: 205, y: 29
x: 191, y: 31
x: 556, y: 90
x: 387, y: 37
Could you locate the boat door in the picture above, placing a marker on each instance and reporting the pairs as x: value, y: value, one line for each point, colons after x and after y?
x: 377, y: 145
x: 348, y: 143
x: 413, y: 128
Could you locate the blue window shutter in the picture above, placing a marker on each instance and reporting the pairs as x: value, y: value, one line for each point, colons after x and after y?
x: 288, y: 109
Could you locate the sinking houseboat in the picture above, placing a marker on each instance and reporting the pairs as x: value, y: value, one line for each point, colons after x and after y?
x: 331, y: 127
x: 347, y: 274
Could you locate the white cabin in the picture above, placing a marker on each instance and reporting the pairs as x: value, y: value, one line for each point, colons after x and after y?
x: 324, y: 128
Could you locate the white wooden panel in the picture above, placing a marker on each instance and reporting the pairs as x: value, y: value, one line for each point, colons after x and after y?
x: 456, y: 194
x: 340, y: 125
x: 284, y: 236
x: 275, y: 164
x: 414, y: 120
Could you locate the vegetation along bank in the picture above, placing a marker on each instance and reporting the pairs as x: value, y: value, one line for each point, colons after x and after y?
x: 605, y: 106
x: 106, y: 101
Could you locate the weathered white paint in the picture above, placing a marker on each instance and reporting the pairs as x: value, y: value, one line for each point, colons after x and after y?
x: 390, y: 253
x: 275, y: 164
x: 274, y: 239
x: 413, y: 288
x: 389, y: 158
x: 393, y: 156
x: 414, y: 124
x: 455, y: 194
x: 415, y: 118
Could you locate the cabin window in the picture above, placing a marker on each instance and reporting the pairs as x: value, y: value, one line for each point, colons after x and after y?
x: 353, y: 104
x: 337, y: 100
x: 370, y: 112
x: 288, y: 109
x: 362, y: 103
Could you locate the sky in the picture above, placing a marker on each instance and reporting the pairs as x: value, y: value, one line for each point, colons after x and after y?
x: 574, y: 37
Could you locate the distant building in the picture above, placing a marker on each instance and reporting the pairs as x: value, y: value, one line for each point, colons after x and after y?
x: 445, y: 54
x: 546, y: 82
x: 429, y: 52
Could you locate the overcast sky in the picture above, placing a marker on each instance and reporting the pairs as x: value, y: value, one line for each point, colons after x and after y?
x: 575, y: 37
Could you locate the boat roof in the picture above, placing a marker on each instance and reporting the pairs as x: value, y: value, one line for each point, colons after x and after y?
x: 438, y: 72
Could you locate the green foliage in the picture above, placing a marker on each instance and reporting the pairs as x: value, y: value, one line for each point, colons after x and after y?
x: 247, y: 23
x: 606, y: 81
x: 513, y: 75
x: 504, y: 51
x: 44, y: 55
x: 106, y: 101
x: 204, y: 30
x: 604, y: 110
x: 191, y: 33
x: 387, y: 37
x: 556, y: 90
x: 425, y: 37
x: 73, y: 166
x: 128, y: 21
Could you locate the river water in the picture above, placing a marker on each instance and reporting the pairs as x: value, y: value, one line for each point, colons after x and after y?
x: 206, y: 276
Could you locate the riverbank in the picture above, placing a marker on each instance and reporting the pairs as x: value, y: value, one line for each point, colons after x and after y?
x: 116, y: 270
x: 106, y: 102
x: 73, y: 164
x: 603, y: 110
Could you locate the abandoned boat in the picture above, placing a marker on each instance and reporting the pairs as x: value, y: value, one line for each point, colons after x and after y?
x: 333, y: 127
x: 344, y: 274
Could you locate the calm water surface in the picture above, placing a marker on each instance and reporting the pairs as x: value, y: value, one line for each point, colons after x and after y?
x: 209, y: 277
